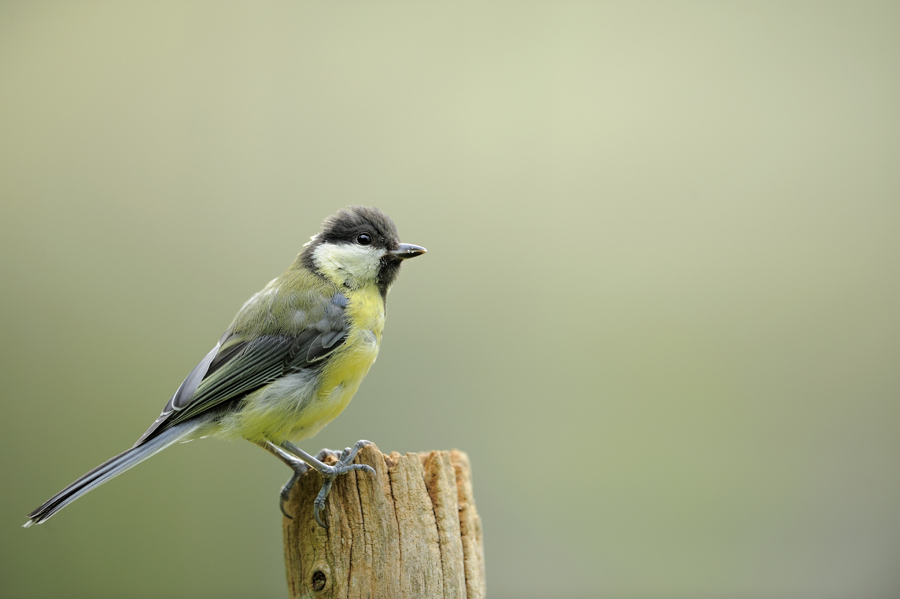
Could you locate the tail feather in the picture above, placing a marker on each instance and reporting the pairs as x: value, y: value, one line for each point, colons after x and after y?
x: 109, y: 470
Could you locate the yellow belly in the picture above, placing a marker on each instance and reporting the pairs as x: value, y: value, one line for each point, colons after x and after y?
x: 298, y: 406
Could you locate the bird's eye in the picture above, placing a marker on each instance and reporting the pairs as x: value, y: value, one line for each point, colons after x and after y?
x: 364, y: 239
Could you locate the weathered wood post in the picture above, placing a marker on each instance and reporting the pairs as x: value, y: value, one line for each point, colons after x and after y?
x: 409, y: 532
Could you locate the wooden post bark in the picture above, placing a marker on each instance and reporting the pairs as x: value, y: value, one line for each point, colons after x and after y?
x: 409, y: 532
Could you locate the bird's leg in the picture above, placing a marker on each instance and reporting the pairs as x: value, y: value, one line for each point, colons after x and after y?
x: 300, y: 461
x: 298, y: 466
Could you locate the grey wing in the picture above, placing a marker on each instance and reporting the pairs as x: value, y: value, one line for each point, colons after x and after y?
x: 236, y: 367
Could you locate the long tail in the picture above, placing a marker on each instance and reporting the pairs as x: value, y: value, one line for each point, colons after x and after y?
x: 109, y: 470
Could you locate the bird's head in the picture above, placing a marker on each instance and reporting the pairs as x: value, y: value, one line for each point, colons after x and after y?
x: 358, y: 246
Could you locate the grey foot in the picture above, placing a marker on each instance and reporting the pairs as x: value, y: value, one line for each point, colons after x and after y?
x: 300, y: 462
x: 329, y: 473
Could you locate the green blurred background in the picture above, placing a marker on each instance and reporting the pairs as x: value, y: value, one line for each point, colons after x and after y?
x: 660, y: 308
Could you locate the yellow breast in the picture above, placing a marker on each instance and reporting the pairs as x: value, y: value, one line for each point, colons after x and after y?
x: 299, y: 405
x: 350, y: 363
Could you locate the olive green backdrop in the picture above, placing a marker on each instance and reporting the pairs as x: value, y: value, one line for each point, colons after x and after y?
x: 660, y: 308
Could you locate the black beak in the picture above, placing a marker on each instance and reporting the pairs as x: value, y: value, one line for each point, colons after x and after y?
x: 407, y: 250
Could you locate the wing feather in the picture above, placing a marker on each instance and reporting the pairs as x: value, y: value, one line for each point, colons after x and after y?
x: 237, y: 366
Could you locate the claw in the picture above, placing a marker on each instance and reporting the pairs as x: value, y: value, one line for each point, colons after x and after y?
x: 285, y: 494
x: 319, y: 503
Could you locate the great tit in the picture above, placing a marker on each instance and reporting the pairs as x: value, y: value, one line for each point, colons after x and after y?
x: 289, y: 363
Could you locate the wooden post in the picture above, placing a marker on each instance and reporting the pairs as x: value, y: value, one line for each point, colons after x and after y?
x: 409, y: 532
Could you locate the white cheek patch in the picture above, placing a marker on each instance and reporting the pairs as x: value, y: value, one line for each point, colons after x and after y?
x: 348, y: 263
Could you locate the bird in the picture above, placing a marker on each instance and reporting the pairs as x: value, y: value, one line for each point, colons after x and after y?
x: 292, y: 359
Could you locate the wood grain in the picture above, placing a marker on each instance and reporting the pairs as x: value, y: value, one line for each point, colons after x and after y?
x: 410, y: 531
